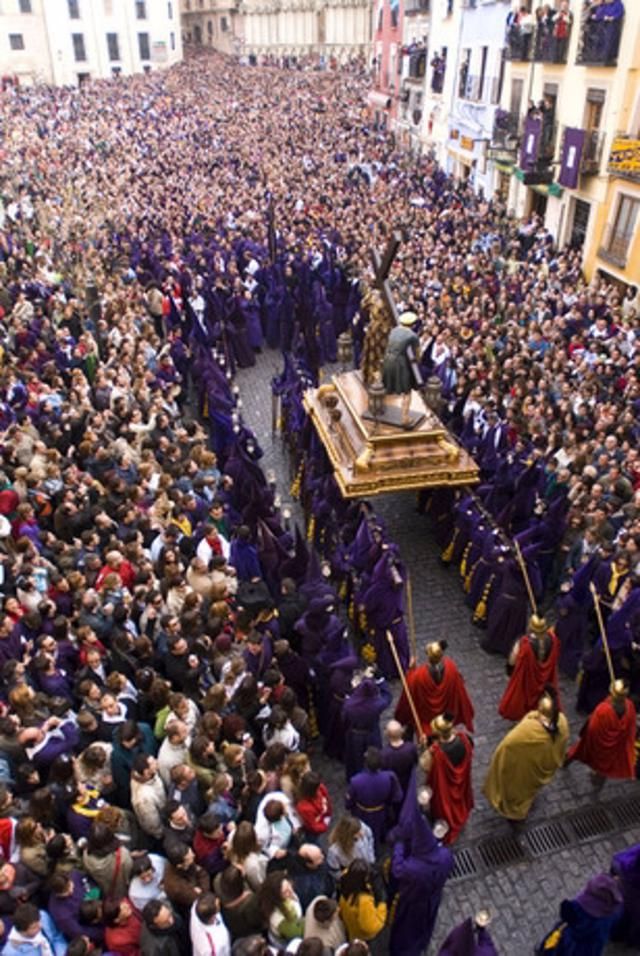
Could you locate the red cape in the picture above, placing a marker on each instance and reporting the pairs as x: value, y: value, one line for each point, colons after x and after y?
x: 607, y: 742
x: 452, y: 798
x: 449, y: 696
x: 526, y: 684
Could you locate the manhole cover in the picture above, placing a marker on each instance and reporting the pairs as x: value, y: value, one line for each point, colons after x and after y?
x: 501, y: 851
x: 591, y: 822
x: 547, y: 838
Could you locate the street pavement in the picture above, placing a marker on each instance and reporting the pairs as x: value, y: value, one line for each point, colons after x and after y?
x: 524, y: 897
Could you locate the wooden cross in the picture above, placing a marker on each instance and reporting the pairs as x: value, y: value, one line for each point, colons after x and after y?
x: 382, y: 268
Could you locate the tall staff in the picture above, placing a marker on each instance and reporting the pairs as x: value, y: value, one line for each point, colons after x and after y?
x: 405, y: 687
x: 603, y: 633
x: 412, y: 622
x: 523, y: 568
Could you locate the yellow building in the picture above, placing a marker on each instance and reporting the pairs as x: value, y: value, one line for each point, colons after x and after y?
x: 615, y: 247
x: 570, y: 90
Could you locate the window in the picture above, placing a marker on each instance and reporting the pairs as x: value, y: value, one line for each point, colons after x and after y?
x: 141, y: 10
x: 210, y: 28
x: 594, y: 108
x: 113, y: 46
x: 16, y: 41
x: 74, y: 9
x: 25, y: 6
x: 170, y: 11
x: 621, y: 235
x: 224, y: 26
x: 172, y: 40
x: 143, y: 46
x: 79, y: 51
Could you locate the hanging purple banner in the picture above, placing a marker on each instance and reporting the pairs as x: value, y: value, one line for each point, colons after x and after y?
x: 571, y: 157
x: 530, y: 143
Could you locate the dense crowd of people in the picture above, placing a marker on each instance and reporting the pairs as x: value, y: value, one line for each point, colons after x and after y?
x: 171, y: 654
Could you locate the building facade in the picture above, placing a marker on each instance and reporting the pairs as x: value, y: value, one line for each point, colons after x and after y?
x: 477, y: 83
x: 416, y: 24
x: 441, y: 64
x: 65, y: 42
x: 386, y: 62
x: 328, y: 31
x: 570, y: 90
x: 213, y: 23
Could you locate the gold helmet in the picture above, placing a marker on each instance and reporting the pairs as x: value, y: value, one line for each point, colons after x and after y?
x: 618, y: 689
x: 435, y: 651
x: 443, y: 725
x: 408, y: 318
x: 546, y: 707
x: 538, y: 625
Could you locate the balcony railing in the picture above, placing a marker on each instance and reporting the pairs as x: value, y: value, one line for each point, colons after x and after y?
x: 541, y: 45
x: 507, y: 127
x: 624, y: 158
x: 599, y: 40
x: 615, y: 248
x: 592, y: 152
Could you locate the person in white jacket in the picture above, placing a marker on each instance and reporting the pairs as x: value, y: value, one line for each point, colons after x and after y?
x: 209, y: 935
x: 148, y: 795
x: 276, y: 823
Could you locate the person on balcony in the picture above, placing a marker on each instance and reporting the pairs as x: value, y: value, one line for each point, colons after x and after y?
x: 604, y: 23
x: 525, y: 25
x: 544, y: 33
x: 562, y: 22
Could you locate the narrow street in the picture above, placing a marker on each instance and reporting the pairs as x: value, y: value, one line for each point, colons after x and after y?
x: 522, y: 879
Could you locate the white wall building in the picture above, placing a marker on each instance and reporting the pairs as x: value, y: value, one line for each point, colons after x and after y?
x: 338, y: 29
x: 68, y: 41
x: 442, y: 56
x: 478, y: 81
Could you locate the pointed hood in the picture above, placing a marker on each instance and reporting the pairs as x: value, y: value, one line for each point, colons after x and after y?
x: 619, y: 625
x: 413, y: 827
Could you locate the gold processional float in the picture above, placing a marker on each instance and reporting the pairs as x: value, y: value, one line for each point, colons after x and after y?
x: 378, y: 442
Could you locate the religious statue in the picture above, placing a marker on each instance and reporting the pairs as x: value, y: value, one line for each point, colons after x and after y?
x: 379, y: 326
x: 399, y: 360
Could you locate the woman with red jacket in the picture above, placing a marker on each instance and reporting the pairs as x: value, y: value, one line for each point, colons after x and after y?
x: 314, y: 805
x: 123, y: 924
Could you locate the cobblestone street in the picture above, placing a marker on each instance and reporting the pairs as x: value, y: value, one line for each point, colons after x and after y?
x: 524, y: 897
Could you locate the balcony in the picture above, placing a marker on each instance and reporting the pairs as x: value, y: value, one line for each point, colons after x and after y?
x: 599, y: 40
x: 614, y: 248
x: 592, y: 152
x: 624, y: 158
x: 507, y: 127
x: 417, y: 65
x: 539, y: 45
x: 413, y: 7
